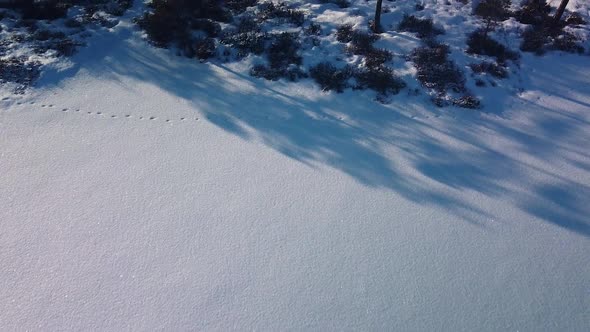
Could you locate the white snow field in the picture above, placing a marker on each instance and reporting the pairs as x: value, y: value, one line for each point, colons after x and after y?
x: 144, y: 191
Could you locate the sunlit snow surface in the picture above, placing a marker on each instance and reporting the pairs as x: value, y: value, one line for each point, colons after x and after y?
x: 145, y: 191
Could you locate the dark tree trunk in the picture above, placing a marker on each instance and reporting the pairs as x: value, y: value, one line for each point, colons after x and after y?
x: 560, y: 11
x: 377, y: 23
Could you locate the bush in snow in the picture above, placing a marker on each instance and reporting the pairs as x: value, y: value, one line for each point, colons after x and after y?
x: 284, y: 51
x: 480, y: 43
x: 283, y: 58
x: 339, y: 3
x: 329, y: 77
x: 377, y: 57
x: 436, y: 71
x: 538, y: 40
x: 163, y: 25
x: 208, y: 26
x: 493, y: 11
x: 239, y: 6
x: 313, y: 29
x: 42, y: 10
x: 246, y: 42
x: 491, y: 68
x: 19, y: 71
x: 280, y: 11
x: 188, y: 25
x: 64, y: 47
x: 292, y: 73
x: 344, y: 33
x: 424, y: 28
x: 534, y: 12
x: 467, y: 101
x: 381, y: 79
x: 113, y: 7
x: 361, y: 42
x: 533, y: 40
x: 201, y: 48
x: 574, y: 19
x: 567, y: 42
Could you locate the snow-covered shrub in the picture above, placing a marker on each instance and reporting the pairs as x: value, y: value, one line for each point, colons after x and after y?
x: 292, y: 73
x: 339, y: 3
x: 376, y: 57
x: 491, y: 68
x: 533, y: 40
x: 467, y: 101
x: 361, y: 42
x: 18, y: 71
x: 313, y: 29
x: 239, y: 6
x: 539, y: 40
x: 566, y: 42
x: 45, y: 34
x: 344, y: 33
x: 64, y: 47
x: 73, y: 23
x: 204, y: 48
x: 280, y: 11
x: 493, y: 11
x: 381, y: 79
x: 436, y: 71
x: 112, y: 7
x: 163, y: 26
x: 284, y: 50
x: 42, y: 10
x: 534, y: 12
x: 423, y: 27
x: 246, y: 42
x: 210, y: 27
x: 283, y: 58
x: 171, y: 22
x: 329, y: 77
x: 574, y: 19
x: 481, y: 43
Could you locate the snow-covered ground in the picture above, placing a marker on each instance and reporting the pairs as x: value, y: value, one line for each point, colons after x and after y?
x: 145, y: 191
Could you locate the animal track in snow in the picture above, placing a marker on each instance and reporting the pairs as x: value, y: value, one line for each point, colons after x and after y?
x: 153, y: 118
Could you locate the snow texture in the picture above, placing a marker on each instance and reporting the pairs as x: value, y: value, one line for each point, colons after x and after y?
x: 145, y: 191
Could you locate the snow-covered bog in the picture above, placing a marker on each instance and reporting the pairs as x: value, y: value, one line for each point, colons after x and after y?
x: 143, y: 190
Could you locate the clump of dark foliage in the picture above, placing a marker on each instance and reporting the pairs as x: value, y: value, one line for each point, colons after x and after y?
x: 440, y: 74
x: 246, y: 42
x: 467, y: 101
x: 329, y: 77
x: 18, y: 71
x: 479, y: 42
x: 544, y: 33
x: 381, y: 79
x: 491, y: 68
x: 43, y: 33
x: 533, y: 12
x: 171, y: 23
x: 493, y: 11
x: 436, y: 71
x: 55, y: 9
x: 424, y: 28
x: 270, y: 10
x: 361, y: 43
x: 283, y: 58
x: 374, y: 74
x: 344, y: 33
x: 339, y: 3
x: 239, y: 6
